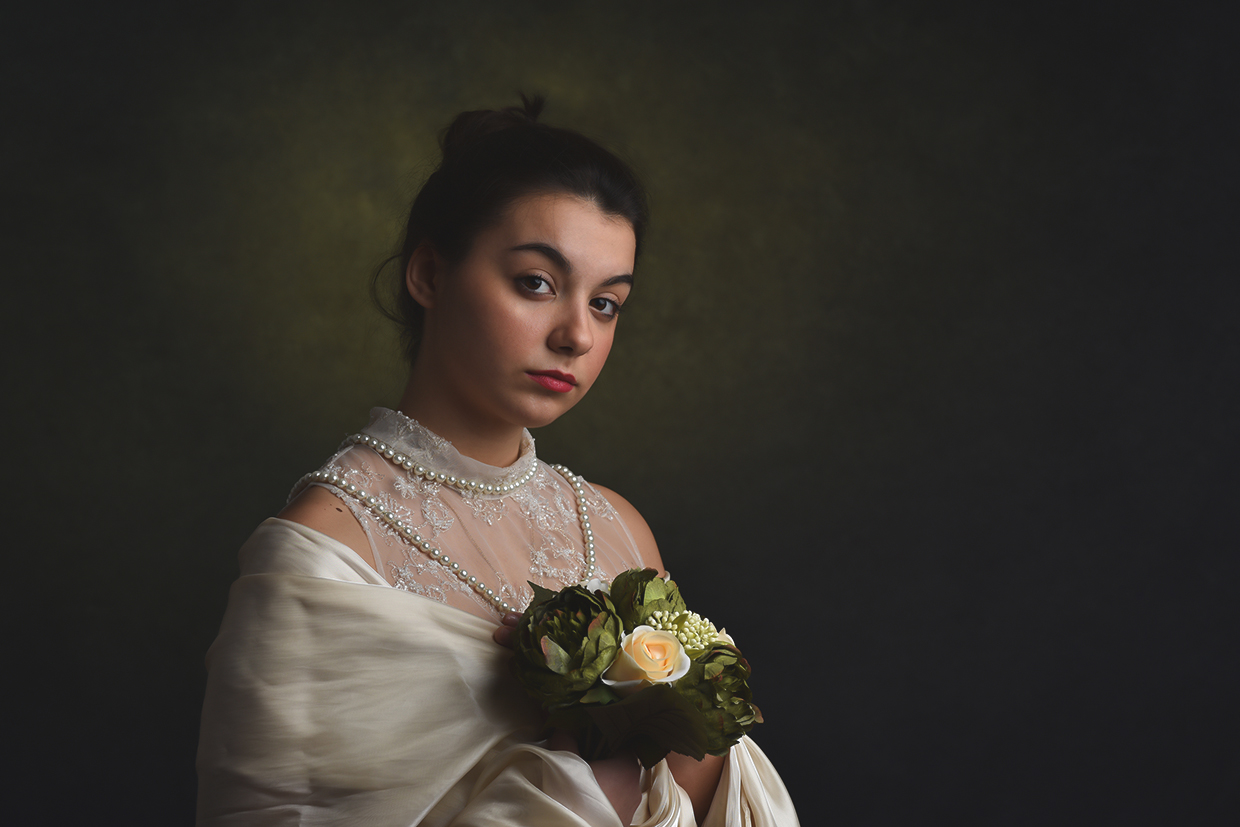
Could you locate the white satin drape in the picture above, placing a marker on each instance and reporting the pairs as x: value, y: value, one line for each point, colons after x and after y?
x: 335, y: 699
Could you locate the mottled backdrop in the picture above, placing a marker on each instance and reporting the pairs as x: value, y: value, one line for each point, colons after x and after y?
x: 927, y: 388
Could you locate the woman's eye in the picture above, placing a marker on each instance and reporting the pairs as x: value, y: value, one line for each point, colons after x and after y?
x: 608, y: 307
x: 535, y: 284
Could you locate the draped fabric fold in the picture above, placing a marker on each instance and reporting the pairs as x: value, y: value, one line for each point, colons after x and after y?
x: 335, y: 699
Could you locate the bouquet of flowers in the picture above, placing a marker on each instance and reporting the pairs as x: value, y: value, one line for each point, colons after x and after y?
x: 626, y: 666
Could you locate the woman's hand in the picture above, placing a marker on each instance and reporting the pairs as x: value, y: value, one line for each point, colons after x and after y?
x: 504, y: 632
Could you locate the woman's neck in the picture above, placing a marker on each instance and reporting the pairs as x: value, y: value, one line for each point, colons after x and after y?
x: 497, y: 444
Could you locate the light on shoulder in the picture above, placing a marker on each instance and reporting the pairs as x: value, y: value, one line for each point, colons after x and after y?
x: 321, y: 510
x: 642, y: 536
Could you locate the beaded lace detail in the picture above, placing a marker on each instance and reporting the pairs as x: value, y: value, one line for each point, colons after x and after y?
x: 529, y: 534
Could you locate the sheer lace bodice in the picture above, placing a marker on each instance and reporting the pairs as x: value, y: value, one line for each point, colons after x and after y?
x: 530, y: 534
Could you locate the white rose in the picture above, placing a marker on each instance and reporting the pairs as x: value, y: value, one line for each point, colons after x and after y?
x: 646, y: 656
x: 724, y: 637
x: 594, y: 584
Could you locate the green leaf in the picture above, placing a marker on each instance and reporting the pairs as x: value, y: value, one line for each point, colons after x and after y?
x: 656, y: 589
x: 557, y: 659
x: 601, y: 694
x: 654, y: 720
x: 648, y: 750
x: 541, y: 595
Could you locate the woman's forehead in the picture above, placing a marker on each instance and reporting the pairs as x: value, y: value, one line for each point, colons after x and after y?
x: 571, y: 227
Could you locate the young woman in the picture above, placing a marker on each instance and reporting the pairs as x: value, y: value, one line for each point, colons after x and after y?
x: 361, y: 675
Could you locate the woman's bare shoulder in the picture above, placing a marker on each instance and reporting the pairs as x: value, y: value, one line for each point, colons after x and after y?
x: 642, y: 536
x: 320, y: 509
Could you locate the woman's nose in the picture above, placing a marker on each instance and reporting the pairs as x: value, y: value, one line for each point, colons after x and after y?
x: 573, y: 333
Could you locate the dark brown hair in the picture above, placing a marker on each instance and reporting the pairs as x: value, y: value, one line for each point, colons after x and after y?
x: 491, y: 158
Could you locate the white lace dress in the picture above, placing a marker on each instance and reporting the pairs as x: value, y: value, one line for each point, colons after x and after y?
x: 506, y: 540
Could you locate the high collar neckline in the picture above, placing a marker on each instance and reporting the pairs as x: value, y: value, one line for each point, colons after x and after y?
x: 428, y: 449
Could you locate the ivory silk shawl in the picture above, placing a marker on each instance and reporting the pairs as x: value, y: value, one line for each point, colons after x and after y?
x: 333, y: 698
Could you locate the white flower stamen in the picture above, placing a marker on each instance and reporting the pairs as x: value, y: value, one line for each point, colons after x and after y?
x: 690, y: 628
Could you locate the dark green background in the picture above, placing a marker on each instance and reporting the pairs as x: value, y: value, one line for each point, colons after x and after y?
x: 927, y: 389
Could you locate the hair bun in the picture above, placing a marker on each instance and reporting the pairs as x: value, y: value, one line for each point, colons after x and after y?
x: 468, y: 128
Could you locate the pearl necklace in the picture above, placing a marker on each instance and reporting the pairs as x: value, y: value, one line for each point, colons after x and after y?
x: 466, y: 487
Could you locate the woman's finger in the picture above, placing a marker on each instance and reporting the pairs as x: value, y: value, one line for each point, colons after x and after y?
x: 503, y: 634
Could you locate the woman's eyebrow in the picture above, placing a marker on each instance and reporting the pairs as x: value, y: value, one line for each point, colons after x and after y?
x: 554, y: 255
x: 557, y: 258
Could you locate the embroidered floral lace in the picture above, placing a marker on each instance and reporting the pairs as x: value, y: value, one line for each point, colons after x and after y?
x: 531, y: 534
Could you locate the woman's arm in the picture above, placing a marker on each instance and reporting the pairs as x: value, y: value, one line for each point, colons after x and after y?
x: 320, y: 509
x: 697, y: 778
x: 647, y: 548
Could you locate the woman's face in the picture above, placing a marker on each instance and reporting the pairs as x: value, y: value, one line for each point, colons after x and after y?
x: 518, y: 331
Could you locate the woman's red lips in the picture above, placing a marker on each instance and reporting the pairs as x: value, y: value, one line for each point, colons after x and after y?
x: 553, y: 380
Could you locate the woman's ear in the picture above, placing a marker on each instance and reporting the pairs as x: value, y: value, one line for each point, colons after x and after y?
x: 422, y: 276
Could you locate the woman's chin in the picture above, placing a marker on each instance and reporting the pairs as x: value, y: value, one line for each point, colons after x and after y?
x: 539, y: 416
